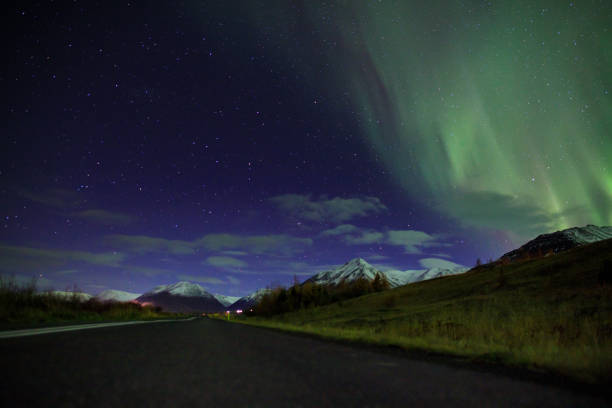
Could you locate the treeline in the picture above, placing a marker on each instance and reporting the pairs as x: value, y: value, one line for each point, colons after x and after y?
x: 23, y: 304
x: 283, y: 300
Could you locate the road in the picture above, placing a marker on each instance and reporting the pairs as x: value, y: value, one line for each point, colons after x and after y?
x: 211, y: 363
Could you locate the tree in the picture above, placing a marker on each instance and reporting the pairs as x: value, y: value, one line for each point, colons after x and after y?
x: 478, y: 262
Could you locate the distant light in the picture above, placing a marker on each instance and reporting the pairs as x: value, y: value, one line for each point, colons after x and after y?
x: 227, y: 312
x: 239, y: 311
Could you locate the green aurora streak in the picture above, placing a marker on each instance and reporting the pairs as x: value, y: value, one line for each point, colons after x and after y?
x: 506, y: 111
x: 496, y: 115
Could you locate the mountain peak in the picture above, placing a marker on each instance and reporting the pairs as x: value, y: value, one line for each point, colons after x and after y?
x: 182, y: 297
x: 182, y: 288
x: 558, y: 241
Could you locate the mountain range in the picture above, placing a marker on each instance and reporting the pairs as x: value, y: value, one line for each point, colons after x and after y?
x: 183, y: 297
x: 116, y: 296
x: 358, y: 268
x: 191, y: 297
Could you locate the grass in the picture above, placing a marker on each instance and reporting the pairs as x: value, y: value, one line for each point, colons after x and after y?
x: 551, y: 314
x: 22, y: 306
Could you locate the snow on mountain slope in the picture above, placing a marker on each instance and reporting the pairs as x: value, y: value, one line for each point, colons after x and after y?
x: 247, y: 302
x: 400, y: 278
x: 359, y: 268
x: 559, y: 241
x: 433, y: 273
x: 116, y: 295
x: 182, y: 288
x: 226, y: 300
x: 352, y: 270
x: 182, y: 297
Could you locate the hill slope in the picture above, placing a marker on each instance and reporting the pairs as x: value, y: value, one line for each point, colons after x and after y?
x: 559, y: 241
x: 553, y: 313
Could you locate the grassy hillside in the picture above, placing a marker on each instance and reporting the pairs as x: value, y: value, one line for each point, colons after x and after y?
x: 22, y: 306
x: 552, y: 314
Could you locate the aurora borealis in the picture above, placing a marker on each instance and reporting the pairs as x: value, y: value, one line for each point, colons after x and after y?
x: 497, y: 114
x: 238, y: 145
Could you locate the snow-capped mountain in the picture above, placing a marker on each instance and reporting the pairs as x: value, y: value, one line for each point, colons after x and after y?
x: 359, y: 268
x: 559, y: 241
x: 352, y: 270
x: 182, y: 288
x: 181, y: 297
x: 437, y: 272
x: 247, y: 302
x: 226, y: 300
x: 116, y: 296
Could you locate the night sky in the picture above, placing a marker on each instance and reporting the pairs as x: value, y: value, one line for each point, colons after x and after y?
x: 237, y: 144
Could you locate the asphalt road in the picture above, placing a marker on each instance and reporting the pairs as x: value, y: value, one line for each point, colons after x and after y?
x: 211, y: 363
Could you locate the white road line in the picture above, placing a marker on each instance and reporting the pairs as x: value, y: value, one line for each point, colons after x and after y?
x: 45, y: 330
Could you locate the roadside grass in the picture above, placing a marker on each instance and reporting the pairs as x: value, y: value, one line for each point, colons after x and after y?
x: 22, y: 306
x: 551, y: 314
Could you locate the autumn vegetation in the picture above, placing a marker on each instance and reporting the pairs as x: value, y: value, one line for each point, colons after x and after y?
x: 22, y: 306
x: 308, y: 295
x: 551, y: 314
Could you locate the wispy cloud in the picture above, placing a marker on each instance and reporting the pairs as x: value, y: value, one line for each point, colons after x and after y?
x: 202, y: 279
x: 501, y: 212
x: 142, y: 244
x: 59, y: 199
x: 104, y: 217
x: 225, y: 262
x: 333, y: 210
x: 232, y: 280
x: 413, y: 241
x: 61, y: 256
x: 280, y: 244
x: 410, y: 239
x: 148, y: 271
x: 438, y: 263
x: 274, y: 244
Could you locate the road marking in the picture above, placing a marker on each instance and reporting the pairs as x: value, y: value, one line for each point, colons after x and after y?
x: 45, y: 330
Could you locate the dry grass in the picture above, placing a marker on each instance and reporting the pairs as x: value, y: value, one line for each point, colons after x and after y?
x: 552, y: 314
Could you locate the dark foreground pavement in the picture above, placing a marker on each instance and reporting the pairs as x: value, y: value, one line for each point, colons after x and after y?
x: 211, y: 363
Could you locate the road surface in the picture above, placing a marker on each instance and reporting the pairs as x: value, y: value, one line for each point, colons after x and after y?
x: 212, y: 363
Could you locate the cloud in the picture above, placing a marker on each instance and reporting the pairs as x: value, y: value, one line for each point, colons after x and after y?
x: 409, y: 239
x: 331, y: 210
x: 232, y: 280
x: 279, y: 244
x: 142, y: 244
x: 274, y: 244
x: 234, y: 253
x: 46, y: 257
x: 202, y: 279
x: 66, y: 272
x: 501, y: 212
x: 147, y: 271
x: 366, y: 237
x: 413, y: 241
x: 353, y: 235
x: 225, y: 262
x: 375, y: 257
x: 342, y: 229
x: 438, y: 263
x: 56, y: 198
x: 104, y: 217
